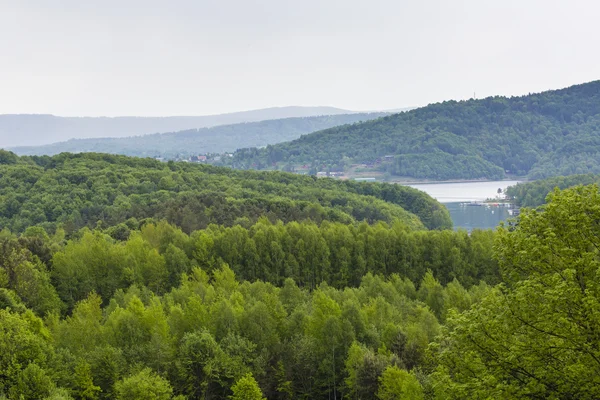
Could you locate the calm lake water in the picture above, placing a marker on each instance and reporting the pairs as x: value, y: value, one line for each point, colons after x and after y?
x: 469, y: 217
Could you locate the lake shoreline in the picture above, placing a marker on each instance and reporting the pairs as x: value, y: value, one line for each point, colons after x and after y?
x: 457, y: 196
x: 463, y: 191
x: 427, y: 182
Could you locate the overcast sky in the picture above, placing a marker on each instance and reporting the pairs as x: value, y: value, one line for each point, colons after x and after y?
x: 197, y: 57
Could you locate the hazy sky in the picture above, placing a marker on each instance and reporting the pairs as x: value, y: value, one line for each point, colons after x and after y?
x: 196, y: 57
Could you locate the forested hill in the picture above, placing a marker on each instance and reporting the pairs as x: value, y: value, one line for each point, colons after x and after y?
x: 538, y: 135
x: 303, y: 310
x: 191, y: 142
x: 36, y: 129
x: 533, y: 194
x: 78, y: 190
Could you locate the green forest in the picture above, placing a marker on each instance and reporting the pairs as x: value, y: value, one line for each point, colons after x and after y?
x: 78, y: 190
x: 125, y: 278
x: 191, y: 142
x: 537, y: 136
x: 533, y: 194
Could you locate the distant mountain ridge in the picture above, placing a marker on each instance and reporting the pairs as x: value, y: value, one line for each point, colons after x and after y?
x: 218, y: 139
x: 39, y: 129
x: 539, y: 135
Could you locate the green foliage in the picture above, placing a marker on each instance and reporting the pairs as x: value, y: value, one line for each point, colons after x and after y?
x: 84, y: 384
x: 59, y: 394
x: 302, y: 309
x: 246, y: 388
x: 32, y: 383
x: 10, y: 301
x: 431, y: 293
x: 107, y: 366
x: 91, y: 264
x: 211, y: 337
x: 443, y: 166
x: 365, y: 368
x: 25, y: 350
x: 26, y: 275
x: 398, y: 384
x: 7, y: 157
x: 533, y: 194
x: 539, y: 135
x: 536, y: 336
x: 78, y: 190
x: 145, y: 385
x: 200, y: 363
x: 340, y: 255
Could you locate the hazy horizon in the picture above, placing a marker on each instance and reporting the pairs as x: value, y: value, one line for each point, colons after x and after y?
x: 41, y: 129
x: 203, y: 58
x: 340, y: 110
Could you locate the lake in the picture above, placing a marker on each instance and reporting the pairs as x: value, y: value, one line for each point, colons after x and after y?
x: 469, y: 217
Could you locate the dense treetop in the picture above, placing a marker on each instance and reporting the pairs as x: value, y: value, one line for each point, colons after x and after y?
x: 533, y: 194
x: 536, y: 335
x: 538, y: 135
x: 273, y: 303
x: 191, y: 142
x: 77, y: 190
x: 248, y: 313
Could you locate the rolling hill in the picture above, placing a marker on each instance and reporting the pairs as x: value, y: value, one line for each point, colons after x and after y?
x: 78, y: 190
x: 218, y: 139
x: 538, y: 135
x: 39, y: 129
